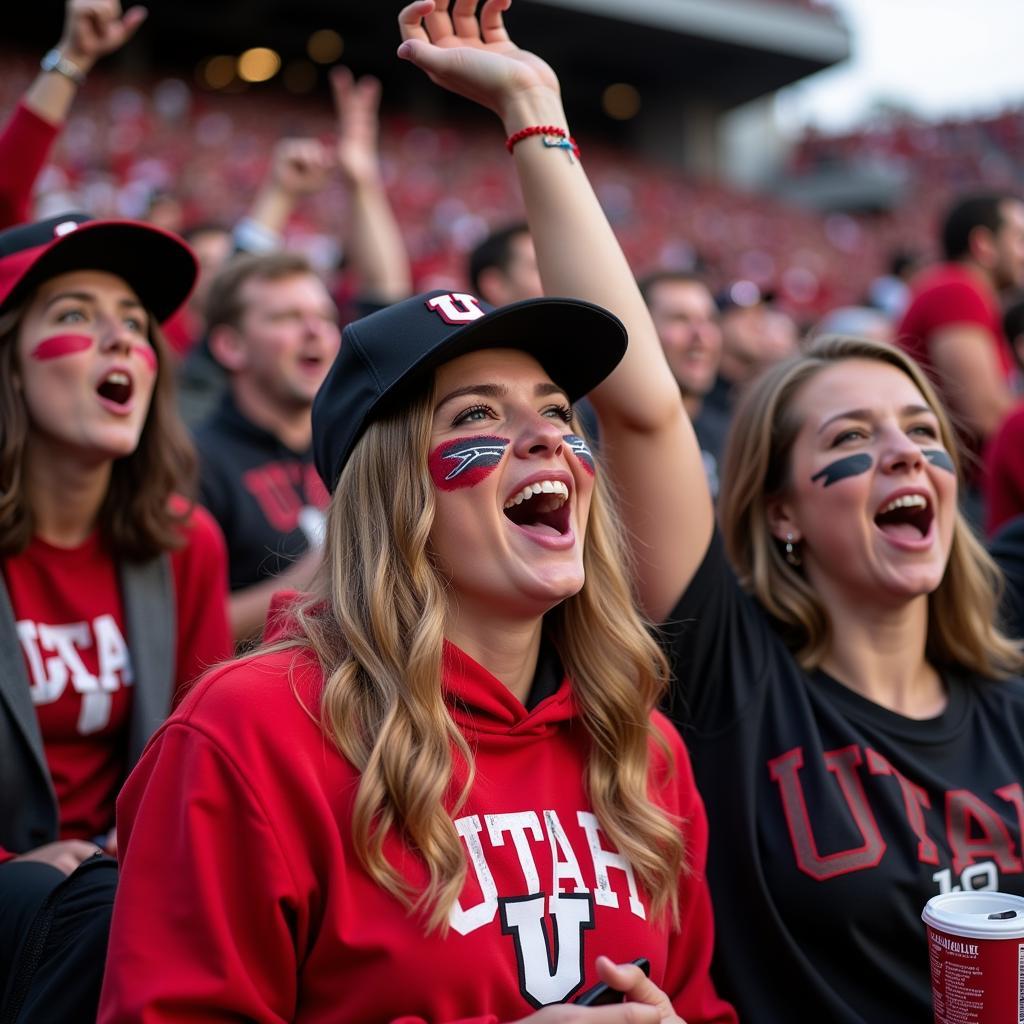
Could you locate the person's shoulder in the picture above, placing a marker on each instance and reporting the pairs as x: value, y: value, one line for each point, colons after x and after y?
x: 200, y: 535
x: 670, y: 760
x: 261, y: 701
x: 949, y: 289
x: 1007, y: 695
x: 939, y: 277
x: 666, y: 734
x: 1013, y: 424
x: 1011, y: 689
x: 1008, y: 538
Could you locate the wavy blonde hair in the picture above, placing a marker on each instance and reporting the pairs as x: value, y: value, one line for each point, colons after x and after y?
x: 962, y: 611
x: 376, y: 623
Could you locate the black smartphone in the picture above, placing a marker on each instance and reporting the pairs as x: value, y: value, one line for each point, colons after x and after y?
x: 602, y: 994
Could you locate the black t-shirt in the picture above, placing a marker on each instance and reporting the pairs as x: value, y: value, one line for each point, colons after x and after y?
x: 832, y: 819
x: 268, y: 499
x: 1007, y: 548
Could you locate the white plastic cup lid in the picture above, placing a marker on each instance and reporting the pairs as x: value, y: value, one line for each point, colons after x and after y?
x: 976, y: 915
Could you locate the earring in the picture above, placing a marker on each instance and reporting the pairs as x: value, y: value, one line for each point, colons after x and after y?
x: 791, y: 554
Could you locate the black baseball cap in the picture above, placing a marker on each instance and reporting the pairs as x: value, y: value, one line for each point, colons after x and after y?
x: 159, y: 266
x: 385, y: 355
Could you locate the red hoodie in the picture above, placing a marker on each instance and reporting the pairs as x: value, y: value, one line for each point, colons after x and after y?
x: 241, y: 896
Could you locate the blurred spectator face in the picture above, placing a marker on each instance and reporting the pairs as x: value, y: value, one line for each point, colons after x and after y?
x: 780, y: 336
x: 520, y: 278
x: 754, y: 337
x: 165, y: 212
x: 212, y: 247
x: 743, y: 329
x: 685, y: 318
x: 86, y: 365
x: 1008, y: 246
x: 522, y: 274
x: 287, y: 338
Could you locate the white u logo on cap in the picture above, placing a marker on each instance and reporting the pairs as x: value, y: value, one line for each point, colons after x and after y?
x: 65, y: 227
x: 456, y: 307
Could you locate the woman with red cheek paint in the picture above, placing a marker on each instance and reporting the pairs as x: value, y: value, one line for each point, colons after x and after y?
x: 441, y: 792
x: 112, y: 587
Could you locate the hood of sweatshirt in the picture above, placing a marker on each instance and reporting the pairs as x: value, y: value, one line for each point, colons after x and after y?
x: 479, y: 702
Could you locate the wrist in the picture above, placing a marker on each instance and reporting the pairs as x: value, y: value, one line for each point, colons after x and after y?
x: 274, y: 196
x: 62, y: 62
x: 552, y: 135
x: 364, y: 181
x: 272, y: 207
x: 536, y: 106
x: 79, y: 58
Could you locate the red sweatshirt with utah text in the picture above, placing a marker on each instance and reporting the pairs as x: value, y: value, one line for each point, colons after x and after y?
x: 241, y: 896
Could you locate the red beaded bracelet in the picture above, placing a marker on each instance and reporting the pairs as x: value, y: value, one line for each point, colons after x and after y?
x: 552, y: 136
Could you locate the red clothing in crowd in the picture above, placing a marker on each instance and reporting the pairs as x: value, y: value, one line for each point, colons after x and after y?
x: 241, y: 895
x: 71, y: 624
x: 944, y: 296
x: 25, y: 143
x: 1004, y: 472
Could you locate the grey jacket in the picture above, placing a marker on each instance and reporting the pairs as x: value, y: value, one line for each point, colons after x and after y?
x: 29, y: 815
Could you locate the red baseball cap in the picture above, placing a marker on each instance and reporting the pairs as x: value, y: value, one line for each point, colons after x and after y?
x: 160, y: 268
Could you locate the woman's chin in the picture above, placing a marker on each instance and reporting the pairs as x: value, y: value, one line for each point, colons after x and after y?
x: 553, y: 590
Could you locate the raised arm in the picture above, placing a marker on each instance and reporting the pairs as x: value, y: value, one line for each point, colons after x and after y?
x: 92, y: 29
x: 647, y: 441
x: 376, y: 250
x: 298, y: 167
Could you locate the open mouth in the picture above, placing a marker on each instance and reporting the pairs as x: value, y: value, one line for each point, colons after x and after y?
x: 116, y: 387
x: 908, y: 517
x: 541, y: 506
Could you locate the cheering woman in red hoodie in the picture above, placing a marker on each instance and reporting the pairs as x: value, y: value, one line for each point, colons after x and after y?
x: 442, y: 793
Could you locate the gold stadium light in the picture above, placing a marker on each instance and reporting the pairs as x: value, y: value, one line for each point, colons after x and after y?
x: 325, y: 46
x: 258, y: 64
x: 621, y: 101
x: 217, y: 72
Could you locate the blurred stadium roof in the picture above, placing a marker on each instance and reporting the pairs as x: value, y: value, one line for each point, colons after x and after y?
x: 683, y: 64
x: 726, y: 51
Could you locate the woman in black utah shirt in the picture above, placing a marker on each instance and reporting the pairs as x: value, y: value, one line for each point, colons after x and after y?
x: 843, y: 691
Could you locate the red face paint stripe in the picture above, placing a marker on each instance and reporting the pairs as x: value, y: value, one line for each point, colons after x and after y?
x: 147, y: 355
x: 61, y: 345
x: 465, y: 461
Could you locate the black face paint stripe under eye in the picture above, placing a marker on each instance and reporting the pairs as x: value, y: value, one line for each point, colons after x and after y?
x: 852, y: 465
x: 940, y: 458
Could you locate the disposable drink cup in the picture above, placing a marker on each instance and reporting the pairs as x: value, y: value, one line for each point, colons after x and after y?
x: 976, y: 952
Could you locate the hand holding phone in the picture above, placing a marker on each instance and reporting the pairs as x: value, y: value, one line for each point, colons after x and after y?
x: 602, y: 994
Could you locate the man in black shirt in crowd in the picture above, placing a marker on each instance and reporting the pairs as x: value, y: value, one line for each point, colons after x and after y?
x: 273, y: 327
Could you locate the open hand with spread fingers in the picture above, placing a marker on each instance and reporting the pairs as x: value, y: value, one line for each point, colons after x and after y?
x: 357, y: 104
x: 472, y: 55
